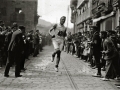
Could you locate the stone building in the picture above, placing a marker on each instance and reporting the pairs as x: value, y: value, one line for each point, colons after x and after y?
x: 24, y: 12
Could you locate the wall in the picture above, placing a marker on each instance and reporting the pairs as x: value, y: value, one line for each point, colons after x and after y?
x: 84, y: 15
x: 108, y: 24
x: 29, y: 8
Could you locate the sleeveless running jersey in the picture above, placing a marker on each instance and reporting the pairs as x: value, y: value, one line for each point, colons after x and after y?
x: 56, y: 31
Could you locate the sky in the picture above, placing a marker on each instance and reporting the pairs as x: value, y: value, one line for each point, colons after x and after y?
x: 52, y: 10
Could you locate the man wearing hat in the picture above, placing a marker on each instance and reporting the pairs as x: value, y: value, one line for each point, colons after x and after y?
x: 15, y: 50
x: 96, y: 44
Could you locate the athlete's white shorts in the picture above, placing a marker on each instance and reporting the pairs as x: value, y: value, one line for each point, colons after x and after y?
x: 58, y: 44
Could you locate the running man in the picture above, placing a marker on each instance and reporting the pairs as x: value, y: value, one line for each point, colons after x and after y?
x: 58, y: 33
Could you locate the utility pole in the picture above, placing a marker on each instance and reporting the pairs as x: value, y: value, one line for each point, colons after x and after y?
x: 67, y: 16
x: 74, y: 19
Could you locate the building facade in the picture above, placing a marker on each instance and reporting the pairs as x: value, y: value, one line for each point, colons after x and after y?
x: 73, y: 5
x: 105, y: 14
x: 81, y: 15
x: 24, y: 12
x: 84, y: 15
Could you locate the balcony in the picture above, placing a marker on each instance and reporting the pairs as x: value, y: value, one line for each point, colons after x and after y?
x: 102, y: 9
x: 83, y: 16
x: 81, y: 3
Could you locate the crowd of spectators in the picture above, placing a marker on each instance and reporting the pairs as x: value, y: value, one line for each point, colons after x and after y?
x: 16, y: 41
x: 100, y: 49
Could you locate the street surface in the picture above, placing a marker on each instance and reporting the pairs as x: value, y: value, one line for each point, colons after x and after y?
x: 74, y: 74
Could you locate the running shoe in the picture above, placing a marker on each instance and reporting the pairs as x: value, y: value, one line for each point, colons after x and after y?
x: 56, y: 69
x: 105, y: 79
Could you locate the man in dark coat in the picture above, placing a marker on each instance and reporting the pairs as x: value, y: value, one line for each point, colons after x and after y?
x: 96, y: 44
x: 15, y: 50
x: 8, y: 36
x: 24, y: 55
x: 29, y: 39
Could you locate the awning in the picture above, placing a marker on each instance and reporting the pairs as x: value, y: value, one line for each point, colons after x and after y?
x: 103, y: 17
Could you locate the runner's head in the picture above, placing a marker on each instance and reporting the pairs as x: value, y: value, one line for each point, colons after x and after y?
x: 62, y: 20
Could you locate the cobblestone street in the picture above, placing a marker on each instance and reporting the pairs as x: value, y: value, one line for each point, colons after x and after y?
x: 74, y: 74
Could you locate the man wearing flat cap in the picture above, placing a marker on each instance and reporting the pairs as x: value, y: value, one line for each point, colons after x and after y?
x: 15, y: 50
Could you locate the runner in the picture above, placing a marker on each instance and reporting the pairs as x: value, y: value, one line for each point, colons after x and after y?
x: 58, y: 33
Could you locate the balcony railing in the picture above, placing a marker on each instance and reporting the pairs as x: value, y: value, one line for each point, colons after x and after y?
x: 81, y: 3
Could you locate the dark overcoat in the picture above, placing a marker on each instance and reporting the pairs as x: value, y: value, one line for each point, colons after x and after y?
x: 16, y: 44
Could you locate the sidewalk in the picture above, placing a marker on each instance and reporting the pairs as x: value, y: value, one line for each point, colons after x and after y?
x: 40, y: 75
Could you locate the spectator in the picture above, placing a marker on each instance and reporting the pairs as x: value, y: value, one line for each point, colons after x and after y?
x: 15, y: 51
x: 111, y: 56
x: 96, y: 44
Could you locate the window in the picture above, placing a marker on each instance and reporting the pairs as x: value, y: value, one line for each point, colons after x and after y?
x: 86, y: 5
x: 83, y: 9
x: 108, y: 24
x: 17, y: 10
x: 80, y: 12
